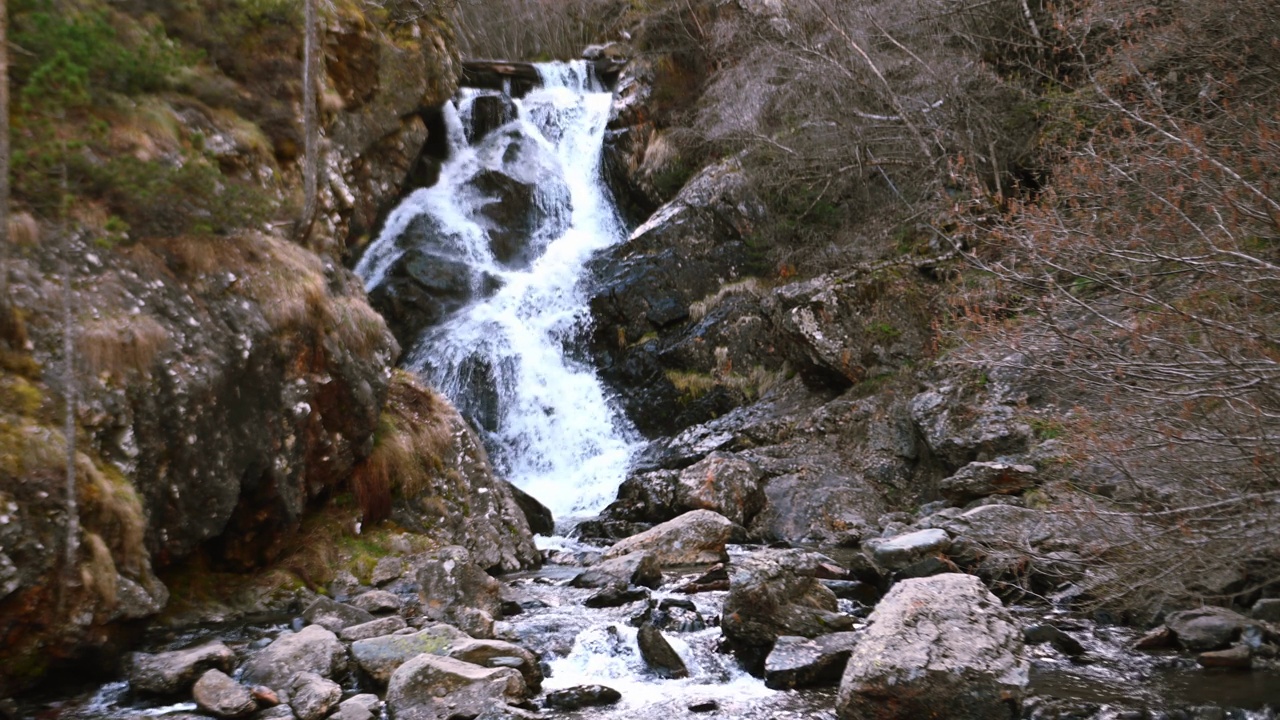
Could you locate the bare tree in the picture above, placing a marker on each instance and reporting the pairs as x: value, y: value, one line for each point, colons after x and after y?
x: 310, y: 121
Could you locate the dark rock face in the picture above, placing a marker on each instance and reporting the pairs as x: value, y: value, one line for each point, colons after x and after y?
x: 775, y: 593
x: 540, y: 520
x: 938, y: 646
x: 659, y: 655
x: 488, y: 113
x: 800, y: 662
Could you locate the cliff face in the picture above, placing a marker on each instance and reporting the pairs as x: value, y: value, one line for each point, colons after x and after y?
x: 226, y: 379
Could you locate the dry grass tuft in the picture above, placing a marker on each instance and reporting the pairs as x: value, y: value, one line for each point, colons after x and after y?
x: 123, y: 344
x: 99, y: 574
x: 358, y: 326
x: 111, y: 508
x: 24, y: 231
x: 699, y: 309
x: 414, y: 436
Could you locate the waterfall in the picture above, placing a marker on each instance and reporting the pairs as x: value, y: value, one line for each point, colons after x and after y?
x: 501, y: 356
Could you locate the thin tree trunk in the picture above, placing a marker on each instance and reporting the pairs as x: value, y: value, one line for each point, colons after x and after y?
x: 4, y: 149
x: 69, y: 381
x: 311, y: 134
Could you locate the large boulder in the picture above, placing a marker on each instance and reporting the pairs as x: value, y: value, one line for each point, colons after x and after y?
x: 774, y: 593
x: 903, y: 550
x: 499, y: 653
x: 1207, y: 628
x: 372, y: 629
x: 634, y: 568
x: 312, y: 697
x: 430, y: 687
x: 697, y: 537
x: 941, y: 646
x: 960, y: 428
x: 456, y: 590
x: 380, y: 656
x: 313, y: 649
x: 168, y: 673
x: 725, y: 483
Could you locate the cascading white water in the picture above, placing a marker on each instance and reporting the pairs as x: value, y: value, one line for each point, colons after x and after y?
x: 548, y: 420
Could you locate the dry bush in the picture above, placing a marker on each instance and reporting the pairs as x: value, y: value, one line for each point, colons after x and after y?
x: 415, y: 435
x: 535, y: 29
x: 1145, y: 283
x: 121, y: 345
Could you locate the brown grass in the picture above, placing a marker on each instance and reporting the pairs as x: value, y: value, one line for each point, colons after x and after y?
x: 110, y: 507
x: 120, y: 345
x: 414, y: 436
x: 24, y: 231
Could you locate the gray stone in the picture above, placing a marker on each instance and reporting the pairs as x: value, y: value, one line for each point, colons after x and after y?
x: 454, y: 589
x: 979, y: 479
x: 904, y: 550
x: 725, y: 483
x: 333, y: 615
x: 615, y: 595
x: 430, y: 687
x: 372, y: 629
x: 937, y: 646
x: 697, y: 537
x: 1238, y: 656
x: 218, y: 694
x: 314, y: 649
x: 800, y: 662
x: 1267, y: 610
x: 499, y: 653
x: 377, y: 602
x: 1207, y: 628
x: 173, y: 672
x: 388, y: 569
x: 658, y: 654
x: 359, y: 707
x: 312, y: 697
x: 380, y: 656
x: 581, y: 696
x: 636, y: 568
x: 279, y: 712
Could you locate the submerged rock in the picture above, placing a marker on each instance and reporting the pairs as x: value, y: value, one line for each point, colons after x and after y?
x: 172, y: 672
x: 697, y: 537
x: 941, y: 646
x: 581, y: 696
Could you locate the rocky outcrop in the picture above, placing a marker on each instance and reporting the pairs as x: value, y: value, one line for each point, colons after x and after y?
x: 936, y: 647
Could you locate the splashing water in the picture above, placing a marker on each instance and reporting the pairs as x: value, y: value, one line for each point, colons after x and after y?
x: 548, y: 421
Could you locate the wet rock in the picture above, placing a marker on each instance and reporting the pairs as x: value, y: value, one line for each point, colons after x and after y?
x: 172, y: 672
x: 1238, y: 656
x: 716, y: 578
x: 455, y: 590
x: 279, y: 712
x: 1267, y: 610
x: 933, y: 643
x: 636, y: 568
x: 333, y: 616
x: 1044, y: 632
x: 372, y: 629
x: 672, y: 614
x: 859, y: 592
x: 358, y: 707
x: 312, y: 697
x: 314, y: 649
x: 539, y: 517
x: 615, y: 595
x: 1207, y: 628
x: 379, y: 657
x: 800, y: 662
x: 581, y: 696
x: 979, y: 479
x: 388, y: 569
x: 901, y: 551
x: 488, y: 113
x: 774, y: 593
x: 1157, y: 639
x: 429, y: 687
x: 658, y: 654
x: 498, y: 653
x: 694, y: 538
x: 725, y: 483
x: 704, y: 706
x: 376, y: 602
x: 217, y: 694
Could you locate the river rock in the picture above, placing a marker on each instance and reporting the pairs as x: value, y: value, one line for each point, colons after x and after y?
x: 313, y: 649
x: 217, y: 694
x: 1238, y: 657
x: 614, y: 595
x: 539, y: 517
x: 429, y: 687
x: 388, y: 569
x: 488, y: 113
x: 581, y: 696
x: 172, y: 672
x: 658, y: 654
x: 1207, y: 628
x: 278, y: 712
x: 312, y: 697
x: 1267, y: 610
x: 979, y: 479
x: 379, y: 657
x: 941, y: 646
x: 697, y: 537
x: 372, y: 629
x: 635, y: 568
x: 672, y: 614
x: 903, y: 550
x: 774, y: 593
x: 359, y: 707
x: 455, y: 590
x: 1044, y: 632
x: 799, y: 662
x: 376, y: 602
x: 726, y: 483
x: 485, y: 653
x: 334, y: 616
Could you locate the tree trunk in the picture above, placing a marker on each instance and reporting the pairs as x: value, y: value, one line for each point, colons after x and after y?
x: 4, y: 150
x: 311, y: 133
